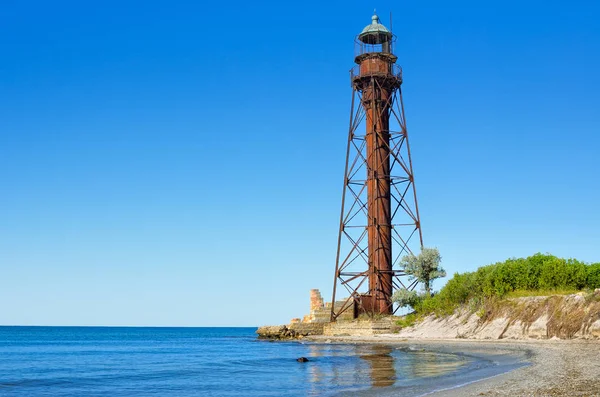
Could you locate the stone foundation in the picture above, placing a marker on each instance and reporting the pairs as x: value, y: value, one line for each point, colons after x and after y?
x: 360, y: 327
x: 317, y: 322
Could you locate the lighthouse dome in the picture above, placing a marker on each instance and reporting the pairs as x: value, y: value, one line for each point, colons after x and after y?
x: 375, y: 32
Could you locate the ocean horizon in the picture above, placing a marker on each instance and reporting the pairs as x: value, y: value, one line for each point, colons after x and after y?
x: 217, y: 361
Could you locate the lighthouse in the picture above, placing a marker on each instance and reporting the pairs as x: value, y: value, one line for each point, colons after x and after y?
x: 379, y: 219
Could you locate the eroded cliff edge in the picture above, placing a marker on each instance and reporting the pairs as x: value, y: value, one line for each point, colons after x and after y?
x: 575, y: 316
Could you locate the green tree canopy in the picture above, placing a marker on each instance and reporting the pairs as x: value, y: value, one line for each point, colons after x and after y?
x: 424, y: 267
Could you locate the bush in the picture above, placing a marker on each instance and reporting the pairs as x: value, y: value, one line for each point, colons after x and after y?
x: 404, y: 298
x: 593, y: 276
x: 459, y: 288
x: 554, y: 274
x: 434, y: 304
x: 576, y: 274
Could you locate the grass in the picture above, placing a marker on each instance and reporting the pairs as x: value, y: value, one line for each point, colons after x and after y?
x: 407, y: 321
x: 541, y: 292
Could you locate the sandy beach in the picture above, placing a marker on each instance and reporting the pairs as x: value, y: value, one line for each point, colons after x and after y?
x: 555, y: 367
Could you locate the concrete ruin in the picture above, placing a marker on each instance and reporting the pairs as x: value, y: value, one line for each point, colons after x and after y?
x: 317, y: 322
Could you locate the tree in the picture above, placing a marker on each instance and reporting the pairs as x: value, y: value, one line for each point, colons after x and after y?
x: 424, y: 267
x: 404, y: 298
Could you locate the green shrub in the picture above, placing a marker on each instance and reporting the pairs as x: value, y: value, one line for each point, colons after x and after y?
x: 554, y: 273
x: 576, y: 274
x: 535, y: 264
x: 593, y: 276
x: 459, y: 288
x: 404, y: 298
x: 437, y: 304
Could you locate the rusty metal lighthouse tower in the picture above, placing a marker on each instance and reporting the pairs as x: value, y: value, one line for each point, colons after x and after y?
x: 379, y: 221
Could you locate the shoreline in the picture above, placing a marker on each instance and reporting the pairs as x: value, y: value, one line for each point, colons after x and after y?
x: 547, y: 367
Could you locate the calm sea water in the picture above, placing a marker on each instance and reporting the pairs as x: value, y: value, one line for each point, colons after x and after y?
x: 106, y: 361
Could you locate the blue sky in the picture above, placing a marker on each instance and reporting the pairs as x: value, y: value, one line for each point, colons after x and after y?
x: 180, y: 163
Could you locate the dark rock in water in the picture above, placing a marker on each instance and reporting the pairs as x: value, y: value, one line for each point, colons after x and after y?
x: 302, y: 359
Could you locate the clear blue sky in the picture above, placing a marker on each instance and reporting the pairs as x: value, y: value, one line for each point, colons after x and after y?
x: 180, y: 163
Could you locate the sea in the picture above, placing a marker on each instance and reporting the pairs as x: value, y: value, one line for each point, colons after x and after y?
x: 145, y: 361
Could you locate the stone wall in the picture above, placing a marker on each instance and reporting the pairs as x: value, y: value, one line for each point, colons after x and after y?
x: 320, y: 311
x: 317, y: 314
x: 347, y: 315
x: 316, y: 300
x: 306, y: 329
x: 359, y: 327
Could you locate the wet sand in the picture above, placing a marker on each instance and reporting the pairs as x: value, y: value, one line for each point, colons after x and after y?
x: 554, y: 367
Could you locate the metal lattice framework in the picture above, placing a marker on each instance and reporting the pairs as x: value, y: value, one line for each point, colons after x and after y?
x: 354, y: 268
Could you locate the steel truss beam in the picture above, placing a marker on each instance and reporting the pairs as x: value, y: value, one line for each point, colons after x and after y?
x: 352, y: 258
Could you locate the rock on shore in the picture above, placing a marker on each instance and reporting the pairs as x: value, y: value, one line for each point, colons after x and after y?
x: 291, y: 331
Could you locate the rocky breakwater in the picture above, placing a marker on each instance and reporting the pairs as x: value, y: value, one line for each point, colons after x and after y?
x: 290, y: 331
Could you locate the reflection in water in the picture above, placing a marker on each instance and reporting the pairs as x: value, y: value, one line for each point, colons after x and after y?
x: 335, y: 364
x: 315, y: 371
x: 383, y: 371
x: 424, y: 364
x: 353, y: 367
